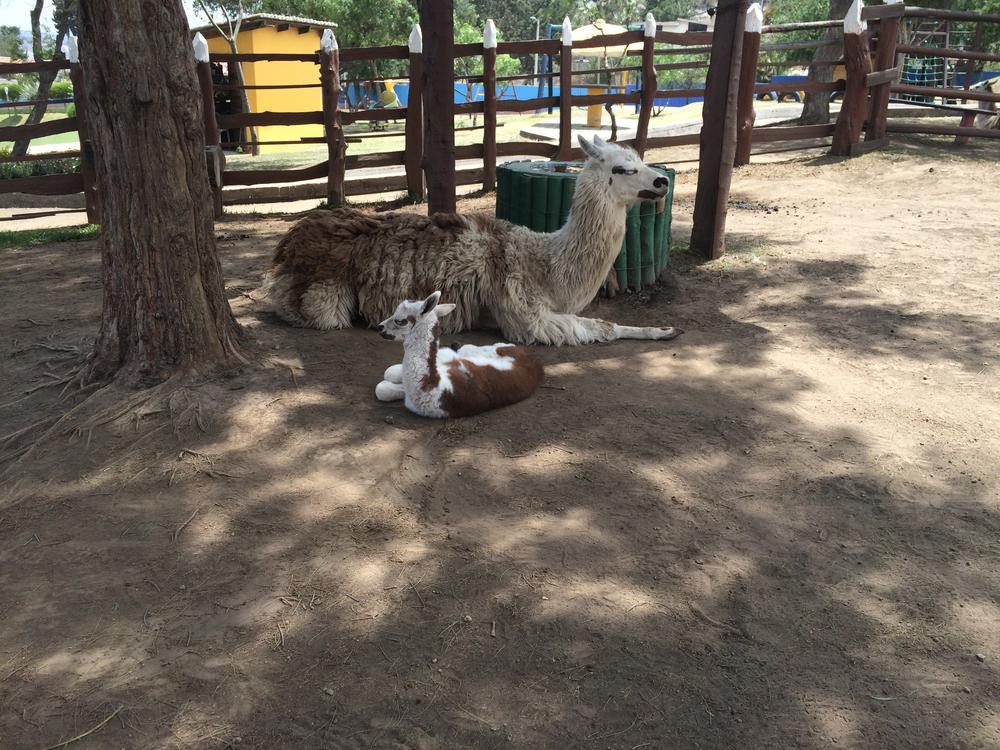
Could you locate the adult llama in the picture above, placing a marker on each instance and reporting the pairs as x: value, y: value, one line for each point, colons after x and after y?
x: 336, y: 265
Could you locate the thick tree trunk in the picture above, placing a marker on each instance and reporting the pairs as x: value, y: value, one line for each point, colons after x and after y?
x: 816, y: 109
x: 165, y: 310
x: 45, y: 78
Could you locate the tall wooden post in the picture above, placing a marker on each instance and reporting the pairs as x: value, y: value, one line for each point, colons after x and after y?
x: 336, y: 146
x: 438, y: 24
x: 885, y: 58
x: 745, y: 115
x: 87, y: 159
x: 565, y: 92
x: 415, y: 118
x: 648, y: 84
x: 213, y: 142
x: 858, y: 64
x: 489, y: 105
x: 717, y: 150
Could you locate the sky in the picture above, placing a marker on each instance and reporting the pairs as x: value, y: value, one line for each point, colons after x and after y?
x: 16, y: 13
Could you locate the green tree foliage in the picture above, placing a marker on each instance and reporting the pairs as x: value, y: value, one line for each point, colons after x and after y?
x: 10, y: 43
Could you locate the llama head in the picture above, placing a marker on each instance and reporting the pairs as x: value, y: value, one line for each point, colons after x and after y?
x: 622, y: 169
x: 412, y: 315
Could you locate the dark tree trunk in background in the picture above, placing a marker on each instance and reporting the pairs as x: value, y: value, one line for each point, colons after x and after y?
x: 816, y: 109
x: 165, y: 310
x: 437, y: 22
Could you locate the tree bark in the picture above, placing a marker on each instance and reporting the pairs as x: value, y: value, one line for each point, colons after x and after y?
x: 45, y: 77
x: 165, y: 310
x: 816, y: 109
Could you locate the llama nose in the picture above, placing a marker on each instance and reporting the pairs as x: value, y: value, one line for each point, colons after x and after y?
x: 661, y: 182
x: 380, y: 328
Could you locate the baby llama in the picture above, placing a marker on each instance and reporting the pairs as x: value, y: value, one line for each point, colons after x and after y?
x: 443, y: 383
x: 335, y: 266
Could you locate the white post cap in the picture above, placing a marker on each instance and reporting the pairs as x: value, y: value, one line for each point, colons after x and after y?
x: 567, y: 33
x: 489, y: 35
x: 755, y: 19
x: 416, y: 40
x: 72, y: 50
x: 328, y: 42
x: 852, y: 21
x: 649, y: 26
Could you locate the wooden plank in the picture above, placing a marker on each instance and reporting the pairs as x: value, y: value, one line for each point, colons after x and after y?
x: 437, y: 22
x: 367, y: 161
x: 529, y: 47
x: 470, y: 49
x: 88, y: 159
x: 469, y: 151
x: 685, y: 93
x: 666, y: 141
x: 585, y: 100
x: 717, y: 150
x: 50, y: 184
x: 47, y: 156
x: 42, y: 129
x: 685, y: 38
x: 958, y: 54
x: 32, y: 102
x: 526, y: 105
x: 391, y: 52
x: 333, y: 129
x: 17, y: 68
x: 885, y: 58
x: 246, y: 119
x: 881, y: 12
x: 527, y: 148
x: 863, y: 147
x: 648, y: 94
x: 469, y: 108
x: 854, y: 110
x: 937, y: 91
x: 792, y: 133
x: 367, y: 115
x: 922, y: 129
x: 882, y: 76
x: 41, y: 214
x: 270, y: 176
x: 781, y: 28
x: 745, y: 115
x: 414, y: 136
x: 565, y: 97
x: 951, y: 15
x: 610, y: 40
x: 687, y: 65
x: 490, y: 118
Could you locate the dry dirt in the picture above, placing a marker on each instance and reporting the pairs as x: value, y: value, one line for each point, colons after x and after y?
x: 780, y: 530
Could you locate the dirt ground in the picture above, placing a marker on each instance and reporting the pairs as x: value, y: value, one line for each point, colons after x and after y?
x: 780, y: 530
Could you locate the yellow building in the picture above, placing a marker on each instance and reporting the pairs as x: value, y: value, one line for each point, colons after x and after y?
x: 266, y: 33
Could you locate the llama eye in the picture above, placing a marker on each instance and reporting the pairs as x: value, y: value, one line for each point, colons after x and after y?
x: 623, y: 170
x: 399, y: 322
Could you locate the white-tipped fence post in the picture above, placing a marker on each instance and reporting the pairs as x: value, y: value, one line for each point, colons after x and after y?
x: 566, y: 93
x: 415, y: 118
x: 87, y: 156
x: 489, y: 105
x: 214, y: 157
x: 649, y: 84
x: 745, y: 114
x: 885, y: 61
x: 336, y: 146
x: 857, y: 64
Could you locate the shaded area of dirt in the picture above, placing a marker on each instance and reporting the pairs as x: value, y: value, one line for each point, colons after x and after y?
x: 780, y: 530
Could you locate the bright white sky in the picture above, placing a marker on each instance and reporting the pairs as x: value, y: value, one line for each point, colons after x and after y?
x: 16, y: 13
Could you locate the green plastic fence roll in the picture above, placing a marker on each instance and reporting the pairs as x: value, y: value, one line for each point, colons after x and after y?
x: 538, y: 195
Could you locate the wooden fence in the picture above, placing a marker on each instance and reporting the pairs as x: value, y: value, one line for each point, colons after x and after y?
x: 871, y: 59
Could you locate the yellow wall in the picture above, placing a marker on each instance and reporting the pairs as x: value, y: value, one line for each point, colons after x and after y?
x: 270, y: 73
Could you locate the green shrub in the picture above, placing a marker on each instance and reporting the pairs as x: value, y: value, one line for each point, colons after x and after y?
x: 10, y: 92
x: 10, y: 171
x: 71, y: 110
x: 61, y: 90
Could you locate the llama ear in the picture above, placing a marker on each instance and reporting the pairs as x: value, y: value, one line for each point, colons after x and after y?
x: 445, y: 309
x: 599, y: 142
x: 588, y: 148
x: 430, y: 303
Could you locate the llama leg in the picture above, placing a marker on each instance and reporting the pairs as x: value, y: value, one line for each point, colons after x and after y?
x: 394, y: 374
x: 328, y: 305
x: 559, y: 329
x: 386, y: 391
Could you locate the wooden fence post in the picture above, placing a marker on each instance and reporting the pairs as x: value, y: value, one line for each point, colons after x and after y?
x: 648, y: 84
x: 858, y: 64
x: 970, y: 66
x: 565, y: 92
x: 745, y: 115
x: 415, y: 118
x: 336, y: 146
x: 437, y: 22
x: 885, y: 58
x: 717, y: 144
x: 92, y: 200
x: 489, y: 106
x: 213, y: 143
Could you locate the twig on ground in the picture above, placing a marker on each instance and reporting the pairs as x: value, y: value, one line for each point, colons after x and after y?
x: 89, y: 732
x: 184, y: 525
x: 554, y: 387
x: 422, y: 603
x: 712, y: 621
x: 17, y: 433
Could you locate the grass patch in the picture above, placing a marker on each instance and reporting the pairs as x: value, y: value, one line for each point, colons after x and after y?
x: 33, y: 237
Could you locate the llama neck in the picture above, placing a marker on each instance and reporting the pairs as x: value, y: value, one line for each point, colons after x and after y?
x: 420, y: 350
x: 590, y: 240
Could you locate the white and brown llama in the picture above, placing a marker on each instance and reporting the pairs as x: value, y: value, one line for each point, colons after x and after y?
x: 441, y: 383
x: 336, y: 265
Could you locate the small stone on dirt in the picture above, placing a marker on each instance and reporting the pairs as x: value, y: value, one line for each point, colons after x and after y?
x: 981, y: 657
x: 390, y: 420
x: 467, y: 618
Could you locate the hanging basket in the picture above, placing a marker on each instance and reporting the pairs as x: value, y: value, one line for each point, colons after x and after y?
x: 538, y: 195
